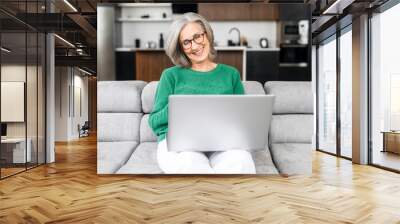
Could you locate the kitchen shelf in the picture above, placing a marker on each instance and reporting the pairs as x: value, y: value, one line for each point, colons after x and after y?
x: 144, y: 20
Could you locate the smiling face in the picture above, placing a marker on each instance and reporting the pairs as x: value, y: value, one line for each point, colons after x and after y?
x: 199, y: 51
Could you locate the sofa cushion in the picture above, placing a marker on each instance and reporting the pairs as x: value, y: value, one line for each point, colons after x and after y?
x: 292, y: 158
x: 143, y: 160
x: 291, y: 97
x: 291, y: 128
x: 120, y: 96
x: 263, y: 162
x: 148, y: 95
x: 118, y: 126
x: 146, y: 133
x: 253, y: 88
x: 112, y: 155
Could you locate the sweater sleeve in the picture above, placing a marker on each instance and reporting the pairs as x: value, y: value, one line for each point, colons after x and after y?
x: 158, y: 120
x: 237, y: 84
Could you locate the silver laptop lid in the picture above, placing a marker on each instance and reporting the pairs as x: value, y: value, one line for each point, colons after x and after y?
x: 218, y: 122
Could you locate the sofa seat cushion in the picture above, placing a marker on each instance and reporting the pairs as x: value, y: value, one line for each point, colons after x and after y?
x: 112, y: 155
x: 293, y: 128
x: 291, y: 97
x: 118, y: 126
x: 142, y: 161
x: 263, y: 162
x: 292, y: 158
x: 146, y: 133
x: 120, y: 96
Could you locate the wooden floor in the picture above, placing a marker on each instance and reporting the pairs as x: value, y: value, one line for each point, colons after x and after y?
x: 70, y: 191
x: 387, y: 159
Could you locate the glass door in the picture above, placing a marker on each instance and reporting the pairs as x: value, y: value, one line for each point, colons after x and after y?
x: 345, y: 93
x: 326, y: 60
x: 385, y: 89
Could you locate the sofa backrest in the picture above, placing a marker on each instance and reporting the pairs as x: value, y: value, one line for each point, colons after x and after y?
x: 291, y: 97
x: 292, y: 120
x: 119, y: 113
x: 291, y: 130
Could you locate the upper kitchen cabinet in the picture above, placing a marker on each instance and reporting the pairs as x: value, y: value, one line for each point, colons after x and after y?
x: 238, y: 11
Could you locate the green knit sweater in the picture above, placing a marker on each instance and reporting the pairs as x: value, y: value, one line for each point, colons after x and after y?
x: 223, y: 79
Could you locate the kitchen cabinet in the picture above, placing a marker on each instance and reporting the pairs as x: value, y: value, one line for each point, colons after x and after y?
x: 238, y: 11
x: 232, y: 58
x: 262, y: 66
x: 150, y: 64
x: 125, y: 65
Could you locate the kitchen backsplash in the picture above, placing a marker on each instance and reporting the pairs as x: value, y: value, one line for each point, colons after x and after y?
x: 150, y: 31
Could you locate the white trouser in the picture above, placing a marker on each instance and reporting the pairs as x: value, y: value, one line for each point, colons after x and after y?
x: 222, y: 162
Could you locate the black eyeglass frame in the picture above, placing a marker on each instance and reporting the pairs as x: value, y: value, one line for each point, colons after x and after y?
x: 194, y: 39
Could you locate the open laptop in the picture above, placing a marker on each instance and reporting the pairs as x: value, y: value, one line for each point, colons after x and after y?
x: 218, y: 122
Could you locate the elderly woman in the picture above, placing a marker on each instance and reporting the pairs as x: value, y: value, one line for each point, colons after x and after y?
x: 190, y: 47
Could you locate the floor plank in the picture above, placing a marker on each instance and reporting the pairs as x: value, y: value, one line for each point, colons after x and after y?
x: 70, y: 191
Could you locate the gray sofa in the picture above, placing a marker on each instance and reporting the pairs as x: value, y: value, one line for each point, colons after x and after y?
x: 127, y: 145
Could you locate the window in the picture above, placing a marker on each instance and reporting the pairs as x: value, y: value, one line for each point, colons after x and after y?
x: 346, y: 93
x: 327, y: 96
x: 385, y: 89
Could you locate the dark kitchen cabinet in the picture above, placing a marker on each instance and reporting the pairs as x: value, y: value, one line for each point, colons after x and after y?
x: 262, y: 66
x: 125, y: 65
x: 294, y: 73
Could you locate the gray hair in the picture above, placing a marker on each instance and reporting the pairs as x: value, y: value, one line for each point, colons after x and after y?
x: 173, y: 47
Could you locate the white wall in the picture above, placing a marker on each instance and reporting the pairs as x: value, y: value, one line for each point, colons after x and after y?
x: 68, y: 80
x: 150, y: 31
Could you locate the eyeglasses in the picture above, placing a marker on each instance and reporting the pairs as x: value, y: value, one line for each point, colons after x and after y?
x: 198, y: 38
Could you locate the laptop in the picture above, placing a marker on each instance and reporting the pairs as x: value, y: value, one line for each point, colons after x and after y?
x: 218, y: 122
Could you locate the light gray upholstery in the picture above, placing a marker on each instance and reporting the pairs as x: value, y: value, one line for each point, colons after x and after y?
x: 125, y: 96
x: 291, y: 126
x: 253, y: 88
x: 291, y: 97
x: 127, y: 145
x: 292, y: 158
x: 142, y: 161
x: 119, y: 112
x: 263, y: 162
x: 118, y: 126
x: 112, y: 155
x: 148, y: 95
x: 146, y: 134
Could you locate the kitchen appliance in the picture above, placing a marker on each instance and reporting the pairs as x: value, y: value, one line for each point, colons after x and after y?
x: 303, y: 32
x: 290, y: 32
x: 264, y: 42
x: 294, y: 54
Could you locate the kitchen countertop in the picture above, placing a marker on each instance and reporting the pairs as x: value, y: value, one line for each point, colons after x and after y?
x: 218, y: 48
